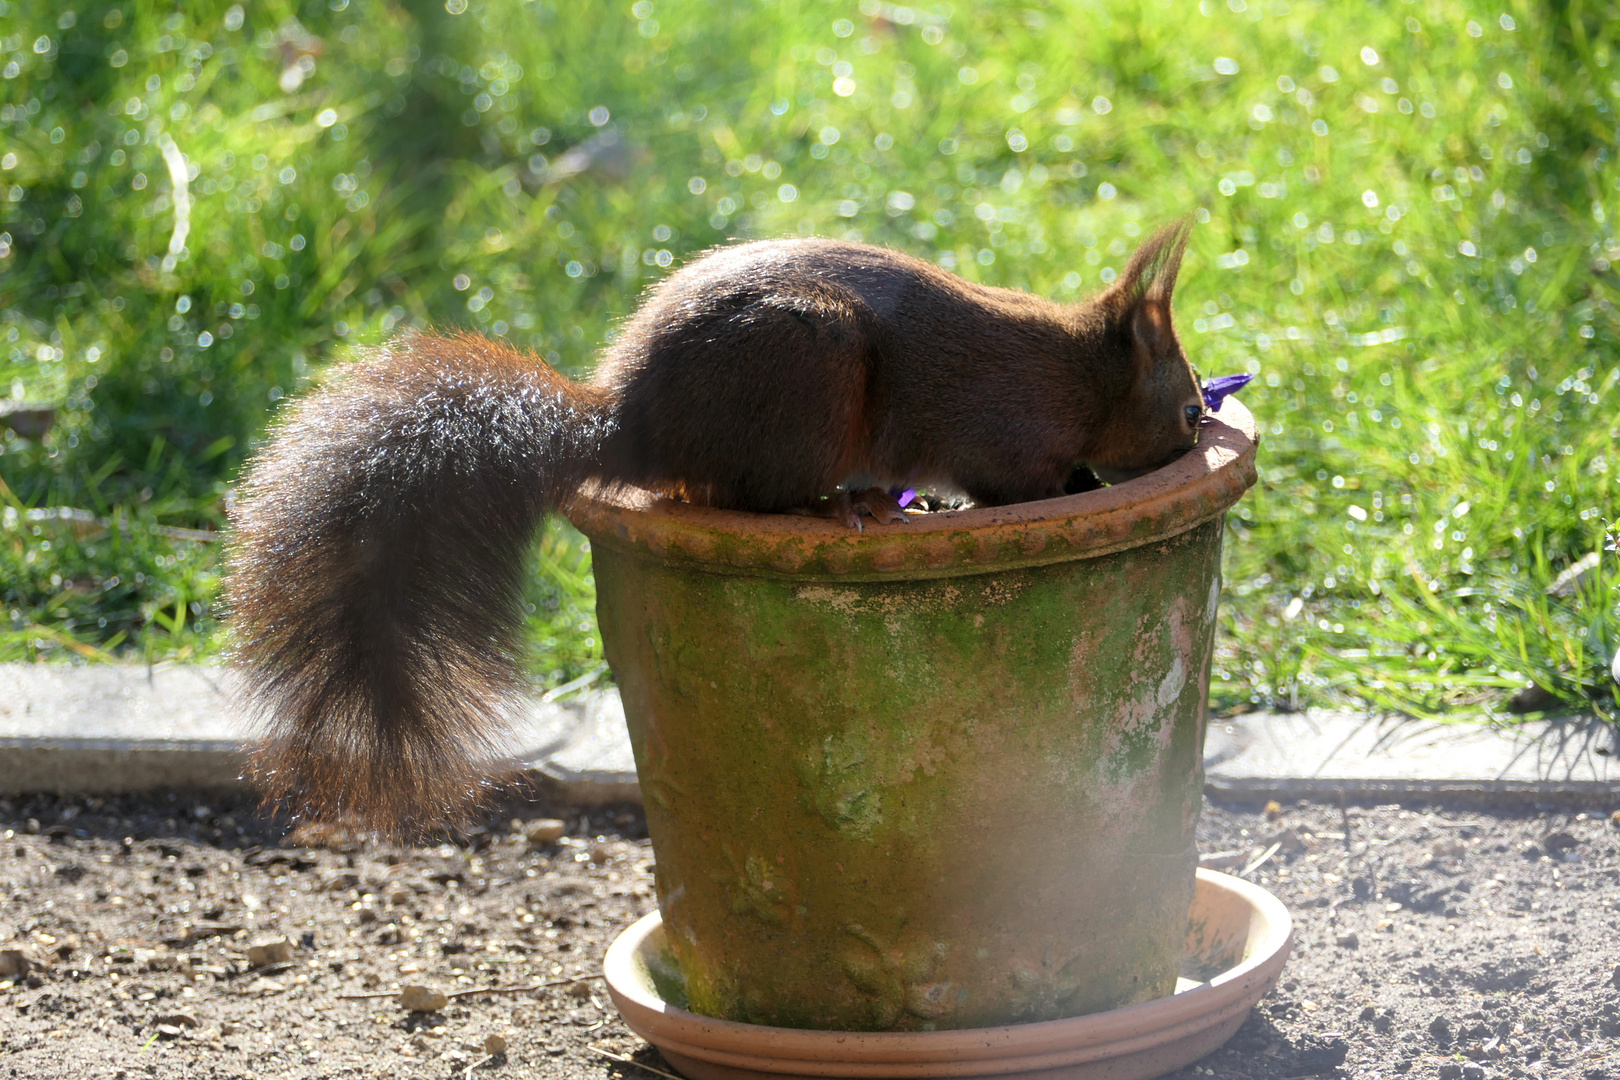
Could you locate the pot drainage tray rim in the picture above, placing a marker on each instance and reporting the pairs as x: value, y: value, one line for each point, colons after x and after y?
x: 1238, y: 936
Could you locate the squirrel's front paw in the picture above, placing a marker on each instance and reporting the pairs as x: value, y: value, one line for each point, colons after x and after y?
x: 875, y: 503
x: 881, y: 506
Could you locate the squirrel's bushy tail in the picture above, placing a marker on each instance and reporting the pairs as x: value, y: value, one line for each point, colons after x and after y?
x: 374, y: 581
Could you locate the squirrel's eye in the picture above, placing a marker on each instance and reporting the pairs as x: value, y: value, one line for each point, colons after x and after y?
x: 1194, y: 414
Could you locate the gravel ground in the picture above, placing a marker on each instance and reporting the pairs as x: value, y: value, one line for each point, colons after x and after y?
x: 184, y: 936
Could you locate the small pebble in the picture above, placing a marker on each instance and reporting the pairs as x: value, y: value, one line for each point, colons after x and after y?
x: 14, y: 963
x: 266, y: 953
x: 1449, y: 849
x: 1288, y: 840
x: 494, y: 1045
x: 543, y: 831
x: 418, y: 998
x: 1348, y: 941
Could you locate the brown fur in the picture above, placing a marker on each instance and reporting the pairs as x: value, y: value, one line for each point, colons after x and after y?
x: 374, y: 577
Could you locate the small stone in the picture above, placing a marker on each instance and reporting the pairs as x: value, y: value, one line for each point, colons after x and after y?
x: 580, y: 989
x: 338, y: 882
x: 1450, y: 1071
x: 1449, y: 849
x: 494, y: 1045
x: 1287, y: 841
x: 181, y: 1019
x: 543, y: 831
x: 168, y: 1031
x: 1368, y: 1013
x: 1614, y: 818
x: 1273, y: 809
x: 600, y: 854
x: 1473, y: 1072
x: 1349, y: 941
x: 1559, y: 841
x: 267, y: 953
x: 15, y: 963
x: 418, y: 998
x: 1440, y: 1028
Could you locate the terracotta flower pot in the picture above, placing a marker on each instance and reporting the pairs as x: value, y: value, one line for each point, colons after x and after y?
x: 942, y: 774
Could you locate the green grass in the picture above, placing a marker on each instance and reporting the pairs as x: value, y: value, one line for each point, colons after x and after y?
x: 1405, y: 228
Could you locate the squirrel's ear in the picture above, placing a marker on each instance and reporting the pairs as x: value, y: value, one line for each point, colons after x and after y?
x: 1150, y: 325
x: 1151, y: 273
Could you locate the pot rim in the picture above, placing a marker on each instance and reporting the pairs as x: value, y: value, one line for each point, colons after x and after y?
x: 1195, y: 488
x: 1012, y: 1048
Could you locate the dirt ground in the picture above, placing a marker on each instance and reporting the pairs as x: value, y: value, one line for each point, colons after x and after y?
x: 1453, y: 944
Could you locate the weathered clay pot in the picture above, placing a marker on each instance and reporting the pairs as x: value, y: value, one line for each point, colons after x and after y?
x: 942, y: 774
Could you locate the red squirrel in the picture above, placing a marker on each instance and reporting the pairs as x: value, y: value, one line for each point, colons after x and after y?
x: 375, y: 566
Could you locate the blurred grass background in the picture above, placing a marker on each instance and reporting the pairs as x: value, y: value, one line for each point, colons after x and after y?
x: 1405, y: 228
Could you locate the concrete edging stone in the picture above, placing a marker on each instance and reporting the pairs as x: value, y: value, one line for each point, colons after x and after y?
x: 78, y: 730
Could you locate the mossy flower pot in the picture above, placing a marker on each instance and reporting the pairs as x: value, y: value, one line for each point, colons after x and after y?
x: 943, y: 774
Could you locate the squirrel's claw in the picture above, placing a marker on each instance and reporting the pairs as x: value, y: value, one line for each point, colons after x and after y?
x: 884, y: 508
x: 875, y: 503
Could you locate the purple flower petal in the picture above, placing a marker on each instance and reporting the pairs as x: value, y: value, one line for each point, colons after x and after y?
x: 904, y: 498
x: 1217, y: 389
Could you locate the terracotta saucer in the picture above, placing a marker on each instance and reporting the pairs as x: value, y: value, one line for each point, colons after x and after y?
x: 1238, y: 936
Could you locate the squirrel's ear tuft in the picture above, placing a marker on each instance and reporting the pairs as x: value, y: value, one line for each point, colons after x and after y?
x: 1151, y: 273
